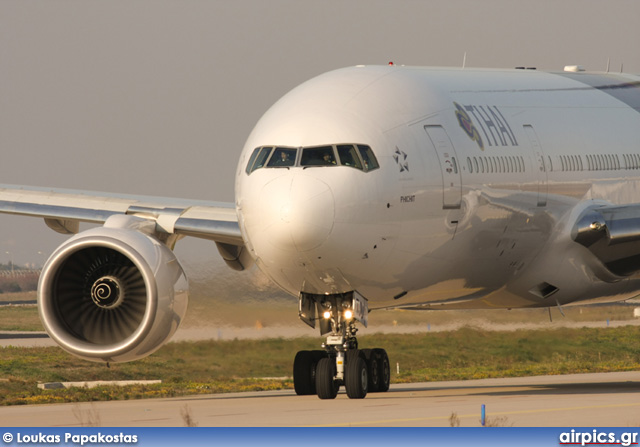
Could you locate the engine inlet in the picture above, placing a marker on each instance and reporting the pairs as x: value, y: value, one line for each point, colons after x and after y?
x: 107, y: 292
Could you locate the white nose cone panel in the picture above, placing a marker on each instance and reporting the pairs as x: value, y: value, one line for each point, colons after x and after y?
x: 298, y: 211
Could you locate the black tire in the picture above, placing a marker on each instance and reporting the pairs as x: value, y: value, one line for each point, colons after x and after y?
x: 372, y: 369
x: 304, y: 373
x: 317, y: 355
x: 356, y: 380
x: 326, y: 386
x: 384, y: 370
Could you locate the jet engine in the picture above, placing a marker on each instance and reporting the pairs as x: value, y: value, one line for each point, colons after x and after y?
x: 114, y: 293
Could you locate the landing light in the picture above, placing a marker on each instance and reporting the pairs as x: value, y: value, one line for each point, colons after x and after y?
x: 348, y: 314
x: 326, y: 315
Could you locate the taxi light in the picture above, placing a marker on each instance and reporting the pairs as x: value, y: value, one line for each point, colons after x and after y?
x: 326, y: 315
x: 348, y: 314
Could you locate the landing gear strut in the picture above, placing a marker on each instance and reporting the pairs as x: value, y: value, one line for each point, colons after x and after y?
x: 322, y: 372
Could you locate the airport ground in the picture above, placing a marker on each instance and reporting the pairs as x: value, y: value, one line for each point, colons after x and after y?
x: 579, y: 400
x: 439, y: 402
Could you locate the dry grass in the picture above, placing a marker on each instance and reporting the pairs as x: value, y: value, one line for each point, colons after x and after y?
x: 188, y: 368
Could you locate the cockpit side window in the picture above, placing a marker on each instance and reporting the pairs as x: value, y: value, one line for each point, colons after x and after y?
x: 318, y: 156
x: 282, y: 158
x: 258, y: 159
x: 368, y: 157
x: 252, y: 160
x: 349, y: 156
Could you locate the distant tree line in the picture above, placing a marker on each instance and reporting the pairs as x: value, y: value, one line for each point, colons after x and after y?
x: 12, y: 267
x: 20, y: 280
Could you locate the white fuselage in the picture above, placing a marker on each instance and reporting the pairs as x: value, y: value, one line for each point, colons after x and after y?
x: 482, y: 175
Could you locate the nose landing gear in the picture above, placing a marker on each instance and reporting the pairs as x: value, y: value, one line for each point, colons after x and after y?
x: 361, y: 371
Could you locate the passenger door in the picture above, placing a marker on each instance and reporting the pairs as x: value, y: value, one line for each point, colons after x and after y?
x: 449, y: 166
x: 541, y: 169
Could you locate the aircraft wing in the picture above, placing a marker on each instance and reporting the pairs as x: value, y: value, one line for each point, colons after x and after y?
x: 612, y: 234
x: 64, y: 209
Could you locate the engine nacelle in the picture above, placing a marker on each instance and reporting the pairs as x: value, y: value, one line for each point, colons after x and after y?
x: 114, y: 293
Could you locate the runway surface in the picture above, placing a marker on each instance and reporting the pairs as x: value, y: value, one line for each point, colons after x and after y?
x: 579, y: 400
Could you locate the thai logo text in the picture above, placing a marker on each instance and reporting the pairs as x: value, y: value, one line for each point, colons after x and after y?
x: 491, y: 122
x: 467, y: 125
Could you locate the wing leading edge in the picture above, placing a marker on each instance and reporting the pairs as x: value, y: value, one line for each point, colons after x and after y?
x: 64, y: 209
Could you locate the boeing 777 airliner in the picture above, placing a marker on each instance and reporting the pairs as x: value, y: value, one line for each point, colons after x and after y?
x: 373, y: 187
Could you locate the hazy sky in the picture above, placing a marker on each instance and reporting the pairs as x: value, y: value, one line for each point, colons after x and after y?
x: 157, y: 97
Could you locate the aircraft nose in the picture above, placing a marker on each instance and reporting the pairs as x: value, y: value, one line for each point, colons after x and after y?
x: 299, y: 212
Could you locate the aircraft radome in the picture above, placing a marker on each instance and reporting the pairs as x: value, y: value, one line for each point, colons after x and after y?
x: 373, y: 187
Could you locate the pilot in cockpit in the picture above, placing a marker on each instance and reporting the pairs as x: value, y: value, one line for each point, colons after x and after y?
x: 328, y: 159
x: 282, y: 159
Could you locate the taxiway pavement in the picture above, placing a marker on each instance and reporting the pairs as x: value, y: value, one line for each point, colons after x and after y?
x: 578, y: 400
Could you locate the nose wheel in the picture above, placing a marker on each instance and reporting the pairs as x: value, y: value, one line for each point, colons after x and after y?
x: 366, y: 371
x: 361, y: 371
x: 326, y: 385
x: 356, y: 378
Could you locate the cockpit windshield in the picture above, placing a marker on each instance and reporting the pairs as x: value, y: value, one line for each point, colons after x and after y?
x: 282, y: 158
x: 318, y: 156
x: 370, y: 161
x: 349, y: 156
x: 355, y: 156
